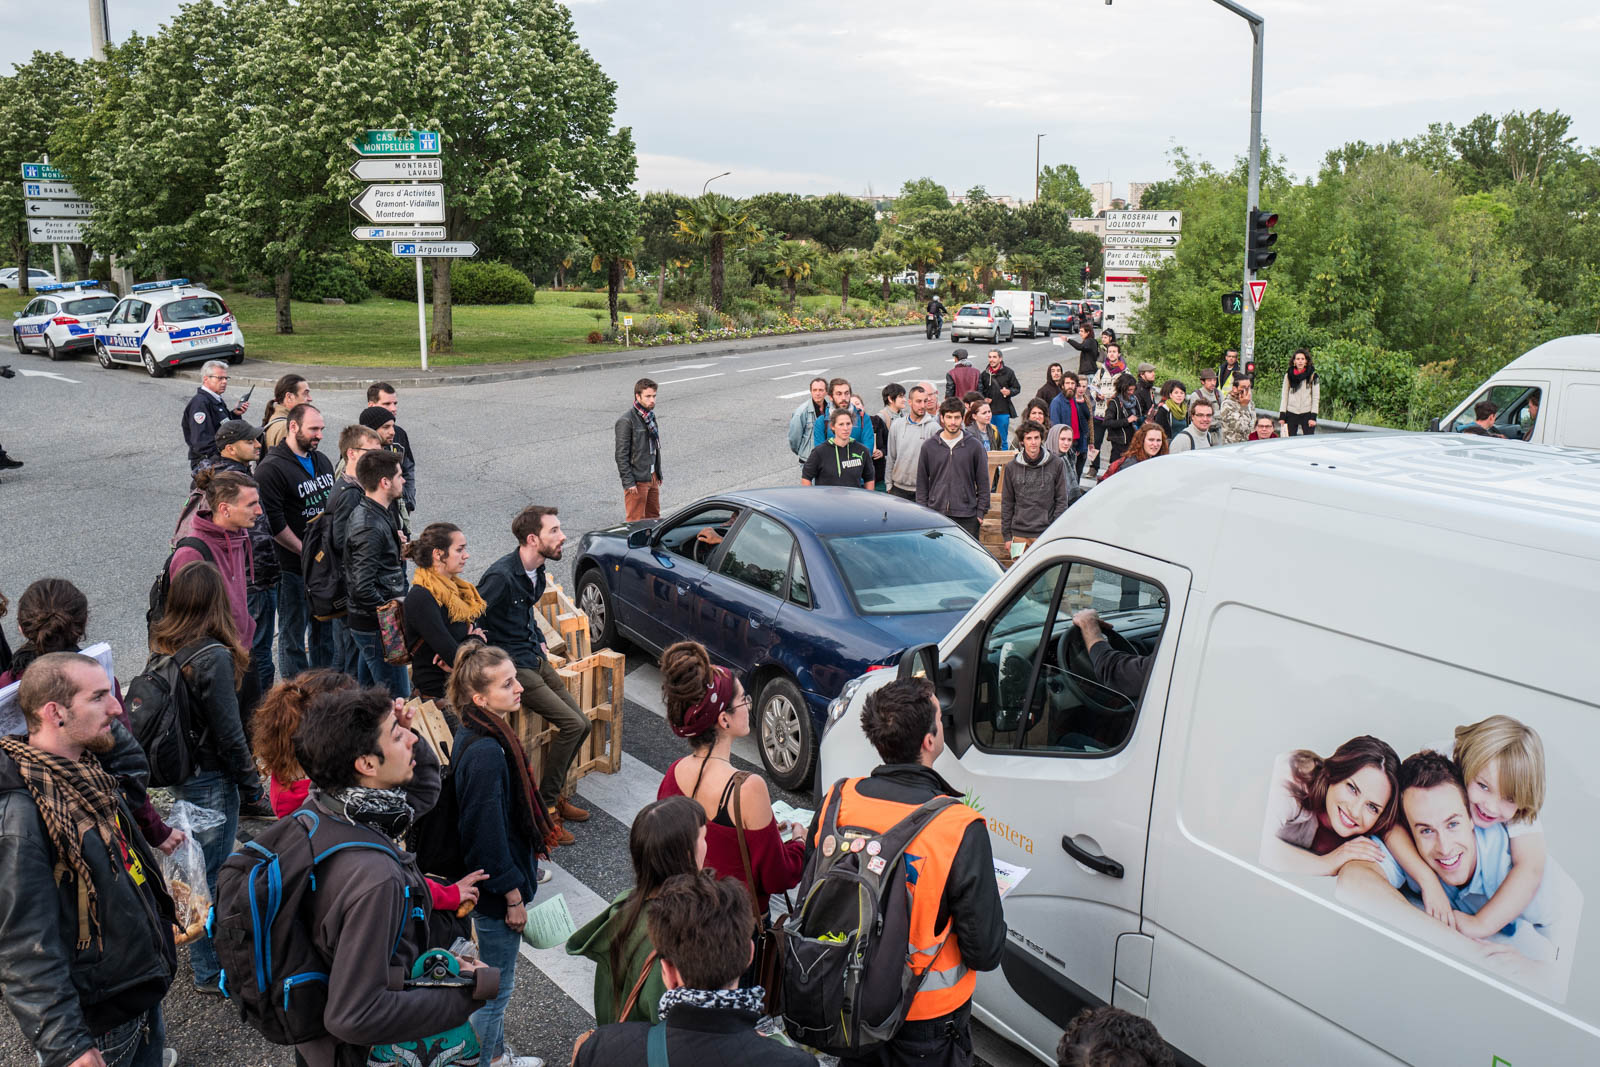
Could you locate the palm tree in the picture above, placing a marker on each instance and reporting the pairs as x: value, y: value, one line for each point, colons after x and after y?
x: 960, y: 275
x: 983, y: 261
x: 923, y: 253
x: 1027, y: 267
x: 616, y: 267
x: 846, y: 263
x: 718, y: 225
x: 795, y: 260
x: 884, y: 263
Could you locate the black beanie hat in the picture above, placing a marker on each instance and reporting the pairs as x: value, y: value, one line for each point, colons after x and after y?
x: 374, y: 417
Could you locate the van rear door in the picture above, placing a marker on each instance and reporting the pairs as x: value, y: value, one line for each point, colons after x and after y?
x: 1062, y: 766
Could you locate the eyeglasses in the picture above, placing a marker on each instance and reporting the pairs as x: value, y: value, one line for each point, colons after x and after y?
x: 743, y: 702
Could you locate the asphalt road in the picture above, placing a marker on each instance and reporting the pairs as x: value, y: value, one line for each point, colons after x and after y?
x: 106, y: 475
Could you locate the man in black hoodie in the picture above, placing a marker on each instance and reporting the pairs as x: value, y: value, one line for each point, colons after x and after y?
x: 374, y: 569
x: 295, y: 479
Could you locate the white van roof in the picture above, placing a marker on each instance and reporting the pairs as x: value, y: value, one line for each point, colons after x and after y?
x: 1578, y: 352
x: 1520, y: 494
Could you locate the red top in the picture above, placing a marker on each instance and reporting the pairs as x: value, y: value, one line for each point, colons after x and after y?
x: 287, y: 798
x: 777, y: 864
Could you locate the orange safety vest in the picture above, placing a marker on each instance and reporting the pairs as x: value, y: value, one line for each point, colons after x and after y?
x: 949, y: 983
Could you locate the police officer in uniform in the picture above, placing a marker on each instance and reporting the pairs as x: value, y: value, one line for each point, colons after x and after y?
x: 206, y: 413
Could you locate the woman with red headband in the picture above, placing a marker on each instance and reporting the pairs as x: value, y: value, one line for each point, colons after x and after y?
x: 709, y: 707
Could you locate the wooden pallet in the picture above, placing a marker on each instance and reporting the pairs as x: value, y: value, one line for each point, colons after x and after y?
x: 595, y: 682
x: 430, y: 722
x: 565, y: 628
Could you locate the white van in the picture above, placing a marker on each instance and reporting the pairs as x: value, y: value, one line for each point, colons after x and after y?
x: 1550, y: 396
x: 1305, y: 609
x: 1030, y: 311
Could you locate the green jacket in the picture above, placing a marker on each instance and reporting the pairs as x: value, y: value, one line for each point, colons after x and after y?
x: 593, y: 941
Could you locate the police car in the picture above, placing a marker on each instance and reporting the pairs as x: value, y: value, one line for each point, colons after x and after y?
x: 60, y: 320
x: 161, y: 325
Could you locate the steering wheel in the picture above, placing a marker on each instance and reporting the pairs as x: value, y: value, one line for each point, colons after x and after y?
x: 1079, y: 673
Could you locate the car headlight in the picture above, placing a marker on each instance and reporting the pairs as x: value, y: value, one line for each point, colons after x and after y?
x: 839, y: 703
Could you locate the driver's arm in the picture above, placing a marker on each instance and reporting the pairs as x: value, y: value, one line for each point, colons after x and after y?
x: 1124, y: 672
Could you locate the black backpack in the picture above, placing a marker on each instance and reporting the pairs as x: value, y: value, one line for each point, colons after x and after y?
x: 322, y: 568
x: 258, y: 925
x: 847, y: 977
x: 163, y: 583
x: 435, y: 836
x: 161, y: 718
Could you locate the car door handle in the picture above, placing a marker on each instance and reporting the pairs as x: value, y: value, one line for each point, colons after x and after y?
x: 756, y: 619
x: 683, y: 590
x: 1103, y: 864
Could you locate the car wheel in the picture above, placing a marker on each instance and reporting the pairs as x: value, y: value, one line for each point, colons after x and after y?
x: 50, y: 349
x: 151, y: 367
x: 595, y: 602
x: 102, y: 355
x: 788, y: 742
x: 235, y: 359
x: 16, y: 339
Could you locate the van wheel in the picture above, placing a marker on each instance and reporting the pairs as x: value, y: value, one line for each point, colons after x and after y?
x: 102, y: 356
x: 788, y: 742
x: 151, y: 367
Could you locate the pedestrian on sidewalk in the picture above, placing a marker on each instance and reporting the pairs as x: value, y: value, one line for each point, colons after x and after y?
x: 1208, y: 389
x: 841, y: 461
x: 1301, y: 395
x: 442, y: 608
x: 229, y: 507
x: 894, y: 408
x: 842, y: 396
x: 380, y: 420
x: 962, y: 378
x: 273, y: 727
x: 511, y: 590
x: 1088, y: 349
x: 1035, y: 410
x: 1171, y: 412
x: 638, y: 454
x: 906, y: 436
x: 288, y: 393
x: 1198, y: 434
x: 979, y: 422
x: 374, y: 568
x: 802, y: 424
x: 502, y: 833
x: 1034, y: 492
x: 295, y: 479
x: 1231, y: 371
x: 999, y: 384
x: 206, y: 412
x: 1237, y: 418
x: 1111, y: 1037
x: 383, y: 395
x: 1051, y: 388
x: 953, y: 471
x: 668, y: 838
x: 1148, y: 442
x: 85, y: 917
x: 198, y: 631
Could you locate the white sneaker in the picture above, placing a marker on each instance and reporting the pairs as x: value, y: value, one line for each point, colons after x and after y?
x: 517, y: 1061
x: 543, y: 876
x: 169, y: 1058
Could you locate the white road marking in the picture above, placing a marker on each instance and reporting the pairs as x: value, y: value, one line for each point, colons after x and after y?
x: 816, y: 359
x: 1009, y: 348
x: 798, y: 373
x: 47, y: 374
x: 791, y: 396
x: 769, y: 366
x: 898, y: 370
x: 1044, y: 342
x: 687, y: 366
x: 869, y: 351
x: 910, y: 346
x: 692, y: 378
x: 573, y: 974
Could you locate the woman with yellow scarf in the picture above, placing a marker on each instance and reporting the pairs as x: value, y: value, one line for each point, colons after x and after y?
x: 441, y: 608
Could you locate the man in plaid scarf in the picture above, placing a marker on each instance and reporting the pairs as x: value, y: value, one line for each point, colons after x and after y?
x: 86, y: 950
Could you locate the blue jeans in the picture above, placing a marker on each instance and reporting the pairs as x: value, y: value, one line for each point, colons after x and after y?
x: 264, y: 609
x: 372, y: 670
x: 1002, y: 425
x: 136, y: 1043
x: 214, y: 790
x: 303, y: 642
x: 497, y: 947
x: 345, y: 656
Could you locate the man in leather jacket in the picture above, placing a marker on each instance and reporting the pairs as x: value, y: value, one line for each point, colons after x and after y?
x: 374, y: 569
x: 84, y: 960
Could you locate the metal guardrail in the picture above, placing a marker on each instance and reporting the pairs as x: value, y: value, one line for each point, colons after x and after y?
x: 1329, y: 426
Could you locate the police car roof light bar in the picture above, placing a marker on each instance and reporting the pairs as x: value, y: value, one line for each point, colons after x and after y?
x: 145, y: 287
x: 88, y: 284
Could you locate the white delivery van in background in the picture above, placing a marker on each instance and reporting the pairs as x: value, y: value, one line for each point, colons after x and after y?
x: 1030, y: 311
x: 1298, y: 603
x: 1549, y: 396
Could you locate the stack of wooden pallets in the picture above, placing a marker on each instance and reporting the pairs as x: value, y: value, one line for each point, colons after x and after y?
x: 989, y: 526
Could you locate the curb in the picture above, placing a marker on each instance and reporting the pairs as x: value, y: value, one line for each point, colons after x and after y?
x: 254, y: 372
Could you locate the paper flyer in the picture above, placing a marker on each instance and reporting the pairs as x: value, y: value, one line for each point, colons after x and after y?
x: 549, y: 924
x: 785, y: 813
x: 1009, y: 876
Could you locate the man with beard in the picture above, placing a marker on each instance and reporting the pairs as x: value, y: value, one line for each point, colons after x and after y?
x: 85, y: 920
x: 511, y: 589
x: 382, y: 395
x: 638, y: 454
x: 295, y: 479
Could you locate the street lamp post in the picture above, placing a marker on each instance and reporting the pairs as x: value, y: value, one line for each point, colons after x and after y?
x: 1258, y: 28
x: 1037, y: 138
x: 713, y: 178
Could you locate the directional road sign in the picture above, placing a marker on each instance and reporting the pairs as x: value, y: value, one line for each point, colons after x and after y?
x: 1258, y: 289
x: 396, y: 143
x: 55, y: 231
x: 1144, y: 221
x: 398, y: 233
x: 49, y: 190
x: 430, y: 169
x: 436, y: 249
x: 42, y: 172
x: 58, y: 209
x: 401, y: 203
x: 1137, y: 259
x: 1141, y: 240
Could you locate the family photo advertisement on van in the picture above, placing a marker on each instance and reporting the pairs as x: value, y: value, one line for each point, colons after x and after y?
x: 1446, y: 844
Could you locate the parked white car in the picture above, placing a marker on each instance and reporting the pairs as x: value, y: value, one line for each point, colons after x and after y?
x: 36, y: 278
x: 161, y: 325
x: 61, y: 319
x: 981, y: 322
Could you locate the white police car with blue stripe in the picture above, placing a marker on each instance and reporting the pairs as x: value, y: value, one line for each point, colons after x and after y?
x: 162, y: 325
x: 60, y: 320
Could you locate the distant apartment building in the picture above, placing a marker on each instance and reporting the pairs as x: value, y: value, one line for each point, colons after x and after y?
x: 1094, y: 226
x: 1136, y: 194
x: 1101, y: 192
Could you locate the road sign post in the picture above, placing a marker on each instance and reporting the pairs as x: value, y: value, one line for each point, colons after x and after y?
x: 1141, y: 240
x: 398, y: 233
x: 397, y: 143
x: 1144, y: 221
x: 434, y: 249
x: 418, y: 202
x: 55, y: 231
x: 422, y: 318
x: 429, y: 169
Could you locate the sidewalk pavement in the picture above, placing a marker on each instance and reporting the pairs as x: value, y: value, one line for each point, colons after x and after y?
x: 334, y: 376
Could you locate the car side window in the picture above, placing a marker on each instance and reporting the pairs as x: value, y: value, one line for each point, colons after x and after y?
x: 697, y: 536
x: 759, y: 555
x: 1039, y: 691
x: 799, y: 585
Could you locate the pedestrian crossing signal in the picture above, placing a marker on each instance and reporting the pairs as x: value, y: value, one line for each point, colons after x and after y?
x: 1233, y: 303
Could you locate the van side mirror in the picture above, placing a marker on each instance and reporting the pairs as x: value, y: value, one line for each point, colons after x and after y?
x: 640, y: 538
x: 919, y: 661
x: 1433, y: 425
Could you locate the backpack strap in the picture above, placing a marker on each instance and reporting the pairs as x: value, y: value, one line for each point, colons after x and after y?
x: 638, y: 986
x: 656, y: 1047
x: 736, y: 783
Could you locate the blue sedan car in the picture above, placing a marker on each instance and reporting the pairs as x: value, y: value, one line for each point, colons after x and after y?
x: 798, y: 590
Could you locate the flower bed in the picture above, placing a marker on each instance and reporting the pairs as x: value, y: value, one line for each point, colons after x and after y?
x: 704, y: 324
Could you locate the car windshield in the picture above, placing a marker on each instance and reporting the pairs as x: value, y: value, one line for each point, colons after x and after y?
x: 910, y: 572
x: 974, y: 309
x: 191, y: 308
x: 90, y: 305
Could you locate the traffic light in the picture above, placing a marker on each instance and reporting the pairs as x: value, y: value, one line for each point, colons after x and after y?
x: 1260, y: 238
x: 1086, y: 273
x: 1233, y: 303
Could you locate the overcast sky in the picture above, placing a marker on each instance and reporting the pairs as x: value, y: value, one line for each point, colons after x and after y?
x: 851, y: 95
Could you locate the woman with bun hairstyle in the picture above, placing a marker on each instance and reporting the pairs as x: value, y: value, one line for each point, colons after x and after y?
x: 668, y: 838
x: 272, y: 730
x: 442, y: 608
x: 707, y: 706
x: 1323, y: 813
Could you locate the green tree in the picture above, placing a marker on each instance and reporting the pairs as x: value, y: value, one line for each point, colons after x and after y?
x: 1061, y: 185
x: 1027, y: 266
x: 920, y: 194
x: 795, y: 260
x: 923, y: 253
x: 983, y: 262
x: 30, y: 100
x: 883, y: 262
x: 977, y: 195
x: 611, y: 226
x: 845, y: 263
x: 718, y: 225
x: 658, y: 226
x: 843, y: 222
